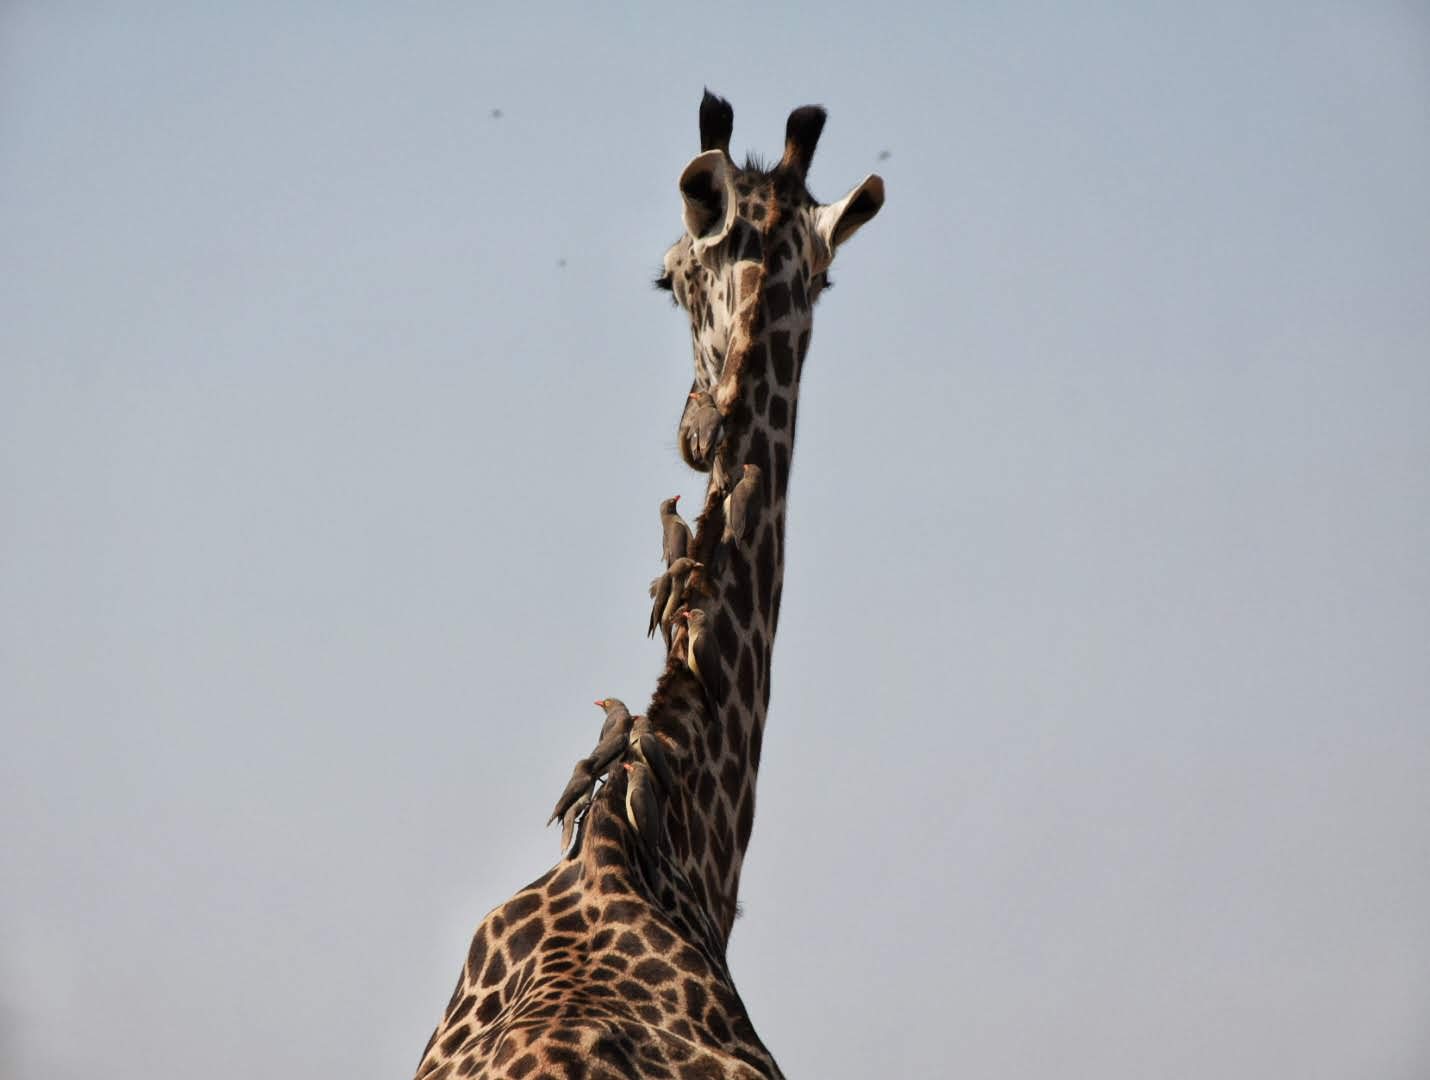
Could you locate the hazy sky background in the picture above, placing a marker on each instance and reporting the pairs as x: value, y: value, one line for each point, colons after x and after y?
x: 1100, y: 738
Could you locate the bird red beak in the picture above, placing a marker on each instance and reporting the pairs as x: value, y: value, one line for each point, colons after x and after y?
x: 677, y: 498
x: 600, y: 704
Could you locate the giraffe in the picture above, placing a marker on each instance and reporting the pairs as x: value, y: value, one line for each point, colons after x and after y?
x: 612, y: 963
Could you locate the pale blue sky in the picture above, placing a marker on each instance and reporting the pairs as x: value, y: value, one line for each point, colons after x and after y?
x: 1101, y: 717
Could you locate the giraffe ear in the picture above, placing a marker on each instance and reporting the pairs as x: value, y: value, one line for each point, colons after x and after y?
x: 709, y: 194
x: 838, y: 221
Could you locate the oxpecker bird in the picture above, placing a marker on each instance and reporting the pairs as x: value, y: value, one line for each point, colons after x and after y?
x: 617, y: 716
x: 700, y: 429
x: 659, y: 594
x: 675, y: 534
x: 649, y: 750
x: 667, y: 593
x: 580, y: 783
x: 608, y: 749
x: 702, y: 656
x: 568, y: 824
x: 643, y: 811
x: 739, y: 516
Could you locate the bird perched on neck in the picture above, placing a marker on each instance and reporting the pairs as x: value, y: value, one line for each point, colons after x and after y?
x: 739, y: 507
x: 649, y: 751
x: 667, y: 593
x: 675, y: 533
x: 617, y: 716
x: 645, y: 812
x: 702, y: 656
x: 701, y: 426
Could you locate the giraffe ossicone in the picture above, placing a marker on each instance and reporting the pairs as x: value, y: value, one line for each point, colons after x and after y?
x: 612, y: 963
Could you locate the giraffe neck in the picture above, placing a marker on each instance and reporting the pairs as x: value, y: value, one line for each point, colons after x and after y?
x: 719, y: 755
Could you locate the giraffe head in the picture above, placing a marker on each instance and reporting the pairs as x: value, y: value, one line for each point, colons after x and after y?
x: 756, y: 251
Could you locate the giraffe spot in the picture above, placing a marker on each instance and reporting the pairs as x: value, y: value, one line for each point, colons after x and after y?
x: 453, y: 1042
x: 561, y: 903
x: 706, y: 789
x: 679, y: 835
x: 695, y: 997
x: 653, y: 971
x: 496, y: 970
x: 745, y: 819
x: 739, y: 740
x: 765, y: 564
x: 718, y: 1028
x: 781, y: 471
x: 658, y: 937
x: 564, y: 1034
x: 630, y: 944
x: 757, y: 742
x: 570, y: 924
x: 462, y: 1009
x: 740, y: 594
x: 521, y: 907
x: 564, y: 880
x: 688, y: 959
x: 633, y: 990
x: 612, y: 885
x: 775, y: 608
x: 714, y: 738
x: 731, y: 779
x: 697, y: 843
x: 745, y: 676
x: 757, y: 212
x: 779, y: 418
x: 777, y: 300
x: 756, y: 361
x: 603, y: 938
x: 625, y: 912
x: 727, y: 637
x: 488, y: 1009
x: 782, y: 361
x: 798, y: 296
x: 752, y: 250
x: 608, y: 856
